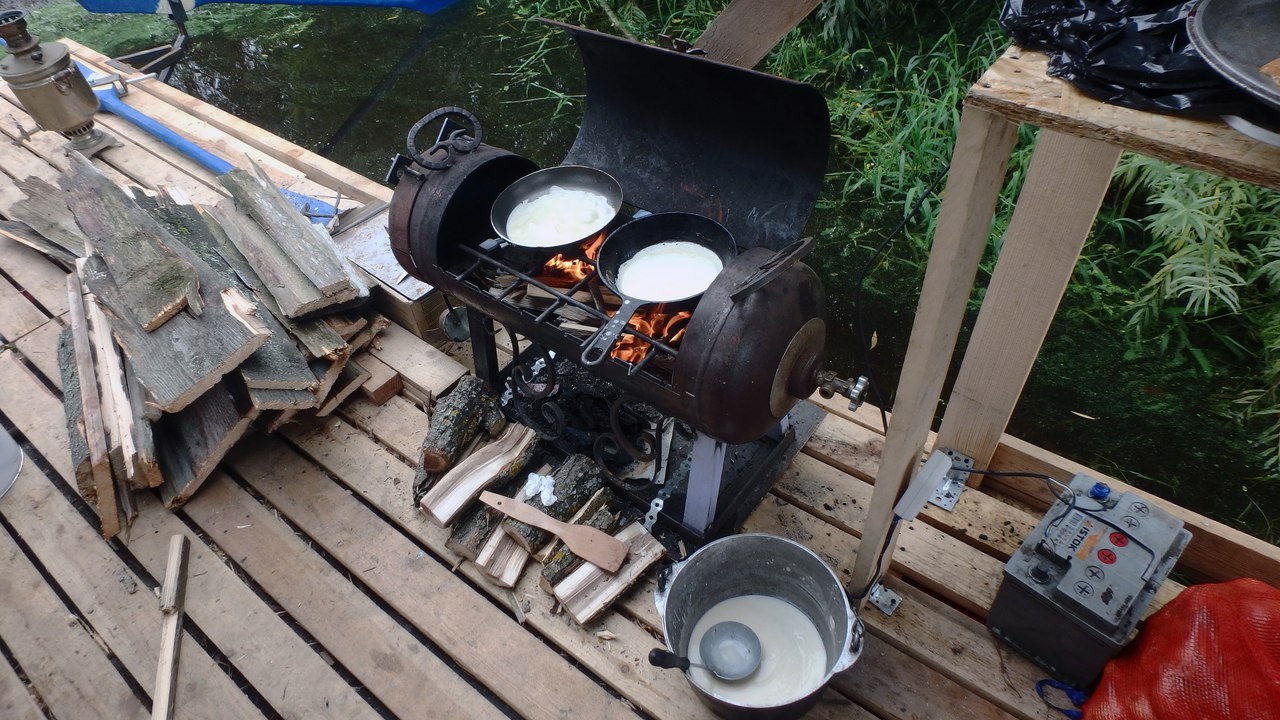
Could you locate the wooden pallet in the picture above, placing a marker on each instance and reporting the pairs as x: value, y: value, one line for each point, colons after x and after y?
x: 316, y: 589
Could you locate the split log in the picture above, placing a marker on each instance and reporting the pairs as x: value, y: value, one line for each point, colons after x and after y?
x: 117, y: 416
x: 469, y: 408
x: 384, y: 382
x: 601, y: 513
x: 193, y: 441
x: 74, y: 411
x: 502, y: 559
x: 492, y: 464
x: 188, y: 355
x: 278, y: 364
x: 145, y: 461
x: 152, y: 282
x: 103, y: 497
x: 576, y: 480
x: 477, y: 524
x: 315, y: 335
x: 588, y: 591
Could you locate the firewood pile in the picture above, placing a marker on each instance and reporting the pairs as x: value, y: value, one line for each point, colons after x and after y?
x: 190, y: 323
x: 469, y: 448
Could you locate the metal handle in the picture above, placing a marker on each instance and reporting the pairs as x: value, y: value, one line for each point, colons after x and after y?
x: 667, y: 659
x: 783, y: 259
x: 854, y: 651
x: 598, y: 346
x: 459, y: 141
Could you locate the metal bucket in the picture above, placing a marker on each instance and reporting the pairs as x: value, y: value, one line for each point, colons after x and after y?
x: 756, y: 564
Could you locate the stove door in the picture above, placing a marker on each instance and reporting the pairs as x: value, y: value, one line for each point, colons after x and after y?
x: 681, y: 132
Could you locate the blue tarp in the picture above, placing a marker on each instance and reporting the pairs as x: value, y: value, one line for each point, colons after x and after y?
x: 161, y: 7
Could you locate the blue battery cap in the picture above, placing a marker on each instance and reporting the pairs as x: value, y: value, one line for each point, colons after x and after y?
x: 1100, y: 491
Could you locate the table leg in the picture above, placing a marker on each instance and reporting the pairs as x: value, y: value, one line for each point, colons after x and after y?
x: 978, y: 164
x: 1065, y: 184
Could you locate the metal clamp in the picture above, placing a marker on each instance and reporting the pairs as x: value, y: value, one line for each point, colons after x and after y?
x: 948, y: 493
x: 883, y: 598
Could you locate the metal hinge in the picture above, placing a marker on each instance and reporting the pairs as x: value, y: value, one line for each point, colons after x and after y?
x: 948, y: 493
x: 884, y: 598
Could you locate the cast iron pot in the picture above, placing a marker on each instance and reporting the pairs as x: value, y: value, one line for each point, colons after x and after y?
x: 758, y: 564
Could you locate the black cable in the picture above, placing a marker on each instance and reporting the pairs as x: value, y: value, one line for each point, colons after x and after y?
x: 875, y: 577
x: 864, y: 345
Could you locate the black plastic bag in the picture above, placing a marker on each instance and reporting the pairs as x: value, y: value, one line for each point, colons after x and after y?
x: 1125, y: 52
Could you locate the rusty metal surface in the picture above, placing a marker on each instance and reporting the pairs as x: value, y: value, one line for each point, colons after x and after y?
x: 369, y: 246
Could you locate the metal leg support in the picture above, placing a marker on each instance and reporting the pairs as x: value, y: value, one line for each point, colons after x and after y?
x: 706, y: 473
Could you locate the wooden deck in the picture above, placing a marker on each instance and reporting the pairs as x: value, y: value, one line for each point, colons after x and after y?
x: 316, y: 589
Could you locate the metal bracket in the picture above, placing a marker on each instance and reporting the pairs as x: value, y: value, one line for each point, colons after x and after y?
x: 884, y: 598
x: 948, y: 493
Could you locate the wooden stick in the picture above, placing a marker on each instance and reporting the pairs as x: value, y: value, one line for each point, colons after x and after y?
x: 104, y: 493
x: 384, y: 382
x: 116, y: 409
x: 172, y: 594
x: 74, y: 412
x: 502, y: 559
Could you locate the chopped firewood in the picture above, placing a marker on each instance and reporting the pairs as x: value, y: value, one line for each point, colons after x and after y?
x: 117, y: 415
x: 588, y: 591
x: 562, y: 561
x: 346, y: 325
x: 146, y: 463
x: 478, y: 522
x: 502, y: 559
x: 23, y: 233
x: 349, y: 380
x: 315, y: 335
x: 44, y: 210
x: 71, y: 405
x: 468, y: 409
x: 492, y: 464
x: 103, y: 496
x: 193, y: 441
x: 384, y: 382
x: 572, y: 485
x: 152, y: 283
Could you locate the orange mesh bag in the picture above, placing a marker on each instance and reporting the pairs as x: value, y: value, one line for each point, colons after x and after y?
x: 1211, y: 654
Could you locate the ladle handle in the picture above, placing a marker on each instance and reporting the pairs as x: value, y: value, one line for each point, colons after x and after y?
x: 598, y: 347
x: 667, y: 659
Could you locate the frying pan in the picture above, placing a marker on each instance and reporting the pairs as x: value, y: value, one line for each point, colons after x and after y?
x: 623, y: 244
x: 1238, y: 37
x: 569, y: 177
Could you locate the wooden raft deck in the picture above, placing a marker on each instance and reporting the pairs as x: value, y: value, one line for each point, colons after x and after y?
x: 316, y: 589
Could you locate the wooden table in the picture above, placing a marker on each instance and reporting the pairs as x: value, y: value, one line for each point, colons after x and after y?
x: 1079, y: 144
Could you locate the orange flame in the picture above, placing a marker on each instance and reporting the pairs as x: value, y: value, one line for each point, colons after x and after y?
x: 562, y: 271
x: 656, y: 323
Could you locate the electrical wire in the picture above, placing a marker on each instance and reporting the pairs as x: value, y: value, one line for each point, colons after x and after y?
x: 875, y: 577
x: 864, y: 345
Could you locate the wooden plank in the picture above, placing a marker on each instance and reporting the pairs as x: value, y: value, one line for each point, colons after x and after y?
x: 1064, y: 188
x: 173, y: 593
x: 393, y: 567
x: 589, y: 590
x: 16, y: 701
x: 894, y: 685
x: 146, y: 460
x: 745, y: 31
x: 1019, y: 87
x: 389, y: 661
x: 44, y: 210
x: 188, y: 355
x: 115, y: 601
x: 19, y: 162
x: 66, y: 667
x: 17, y: 315
x: 973, y: 186
x: 325, y: 172
x: 40, y: 348
x: 349, y: 380
x: 116, y: 409
x: 426, y: 371
x: 266, y: 651
x: 387, y: 484
x: 195, y: 439
x: 399, y: 424
x: 103, y: 496
x: 35, y: 275
x: 25, y: 234
x: 384, y: 382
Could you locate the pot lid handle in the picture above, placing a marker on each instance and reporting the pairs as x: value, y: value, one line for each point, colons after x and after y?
x: 783, y: 259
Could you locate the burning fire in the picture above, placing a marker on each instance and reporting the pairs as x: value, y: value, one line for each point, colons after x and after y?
x: 657, y: 323
x: 564, y: 271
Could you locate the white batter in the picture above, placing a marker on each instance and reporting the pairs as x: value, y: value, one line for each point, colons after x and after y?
x: 557, y: 217
x: 793, y: 659
x: 669, y: 271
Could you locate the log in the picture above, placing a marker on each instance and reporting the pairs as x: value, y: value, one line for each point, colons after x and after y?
x: 502, y: 559
x: 193, y: 441
x: 479, y: 521
x: 492, y: 464
x: 152, y: 282
x: 468, y: 409
x: 576, y: 480
x: 74, y: 411
x: 278, y: 364
x: 601, y: 513
x: 315, y: 335
x: 103, y: 495
x: 588, y: 591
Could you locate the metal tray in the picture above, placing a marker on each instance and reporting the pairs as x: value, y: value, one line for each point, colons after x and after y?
x: 1237, y: 37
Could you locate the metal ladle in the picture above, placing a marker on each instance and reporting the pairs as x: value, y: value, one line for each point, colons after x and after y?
x: 729, y: 650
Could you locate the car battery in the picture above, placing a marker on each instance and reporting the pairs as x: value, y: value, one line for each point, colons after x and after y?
x: 1075, y: 589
